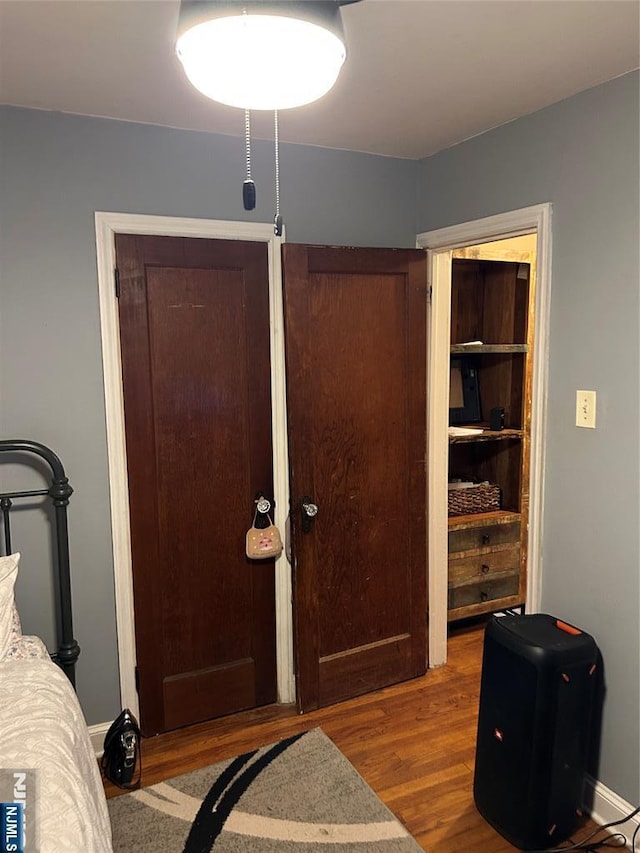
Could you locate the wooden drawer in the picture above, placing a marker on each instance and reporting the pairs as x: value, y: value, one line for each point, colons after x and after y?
x: 483, y: 591
x: 483, y: 565
x: 472, y: 538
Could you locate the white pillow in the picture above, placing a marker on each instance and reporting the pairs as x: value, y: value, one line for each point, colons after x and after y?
x: 8, y: 575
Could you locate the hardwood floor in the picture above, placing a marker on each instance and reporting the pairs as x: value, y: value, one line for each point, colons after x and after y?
x: 414, y: 744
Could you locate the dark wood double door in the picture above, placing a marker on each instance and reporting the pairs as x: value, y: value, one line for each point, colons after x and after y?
x: 194, y: 327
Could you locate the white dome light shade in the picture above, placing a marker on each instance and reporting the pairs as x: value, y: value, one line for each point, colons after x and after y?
x: 261, y: 62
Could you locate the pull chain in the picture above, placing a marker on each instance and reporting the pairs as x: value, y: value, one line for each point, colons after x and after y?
x: 277, y: 222
x: 247, y: 141
x: 248, y: 188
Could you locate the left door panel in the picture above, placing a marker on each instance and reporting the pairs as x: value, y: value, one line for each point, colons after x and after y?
x: 194, y: 333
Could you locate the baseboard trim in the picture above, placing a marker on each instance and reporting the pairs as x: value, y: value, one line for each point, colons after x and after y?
x: 606, y: 806
x: 97, y: 733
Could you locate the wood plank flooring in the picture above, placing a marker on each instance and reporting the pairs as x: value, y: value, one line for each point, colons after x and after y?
x: 414, y: 744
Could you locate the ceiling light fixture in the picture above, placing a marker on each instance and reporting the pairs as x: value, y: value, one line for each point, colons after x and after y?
x: 262, y: 55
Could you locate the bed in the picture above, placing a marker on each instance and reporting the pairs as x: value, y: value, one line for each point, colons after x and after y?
x: 47, y: 763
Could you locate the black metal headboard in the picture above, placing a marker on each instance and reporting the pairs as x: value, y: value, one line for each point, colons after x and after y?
x: 59, y: 492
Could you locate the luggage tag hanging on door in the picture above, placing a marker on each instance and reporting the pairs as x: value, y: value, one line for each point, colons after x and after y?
x: 266, y: 542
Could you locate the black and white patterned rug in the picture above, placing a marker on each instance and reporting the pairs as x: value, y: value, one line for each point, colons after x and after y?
x: 300, y: 794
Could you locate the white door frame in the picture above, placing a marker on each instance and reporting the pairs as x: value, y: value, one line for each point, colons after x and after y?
x: 440, y: 245
x: 107, y: 226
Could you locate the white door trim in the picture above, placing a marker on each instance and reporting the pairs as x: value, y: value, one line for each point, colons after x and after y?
x: 107, y: 226
x: 439, y: 245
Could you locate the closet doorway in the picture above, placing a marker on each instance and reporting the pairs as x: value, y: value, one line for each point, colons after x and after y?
x: 365, y: 512
x: 442, y: 245
x: 108, y: 226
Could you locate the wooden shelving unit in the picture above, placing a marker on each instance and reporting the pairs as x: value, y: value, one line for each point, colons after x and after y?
x: 491, y: 301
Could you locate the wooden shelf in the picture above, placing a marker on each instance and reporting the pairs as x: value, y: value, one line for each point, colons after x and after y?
x: 479, y: 349
x: 472, y: 610
x: 487, y: 435
x: 482, y: 519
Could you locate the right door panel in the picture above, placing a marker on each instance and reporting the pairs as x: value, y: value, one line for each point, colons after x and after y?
x: 356, y: 380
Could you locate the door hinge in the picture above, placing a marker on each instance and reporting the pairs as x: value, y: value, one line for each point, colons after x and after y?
x: 137, y: 679
x: 116, y: 279
x: 430, y: 293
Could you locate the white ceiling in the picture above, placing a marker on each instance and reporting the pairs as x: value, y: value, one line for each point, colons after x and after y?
x: 420, y: 75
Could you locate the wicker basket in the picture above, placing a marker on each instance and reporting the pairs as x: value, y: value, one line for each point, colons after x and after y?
x: 481, y: 498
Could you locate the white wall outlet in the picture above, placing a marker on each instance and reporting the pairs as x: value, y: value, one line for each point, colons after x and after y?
x: 586, y: 409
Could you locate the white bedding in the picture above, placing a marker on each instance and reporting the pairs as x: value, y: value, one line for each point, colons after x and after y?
x: 42, y: 727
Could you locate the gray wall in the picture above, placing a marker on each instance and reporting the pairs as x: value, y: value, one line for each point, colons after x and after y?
x: 582, y: 155
x: 56, y: 171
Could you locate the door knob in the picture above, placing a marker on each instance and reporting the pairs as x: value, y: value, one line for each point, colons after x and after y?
x: 309, y: 511
x: 263, y: 505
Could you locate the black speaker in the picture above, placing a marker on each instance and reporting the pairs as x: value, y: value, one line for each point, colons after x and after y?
x: 534, y: 727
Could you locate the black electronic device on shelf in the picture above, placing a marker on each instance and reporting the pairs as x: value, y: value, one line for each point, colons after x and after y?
x: 464, y: 393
